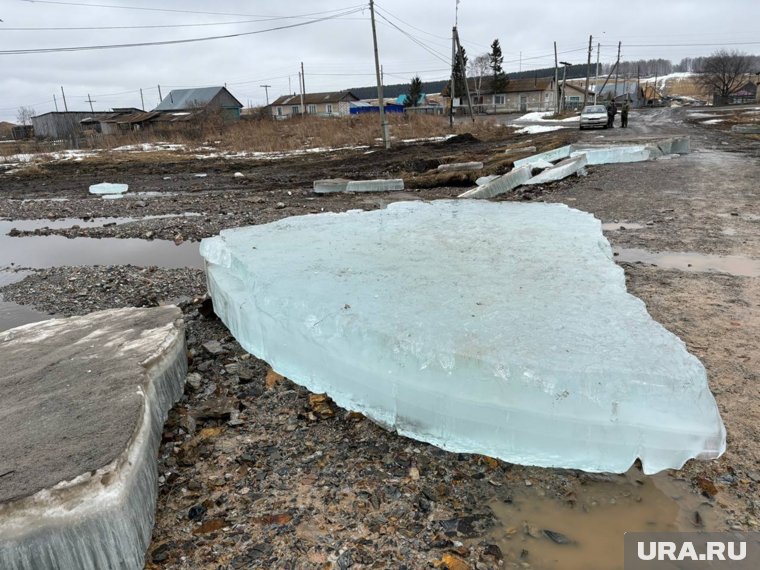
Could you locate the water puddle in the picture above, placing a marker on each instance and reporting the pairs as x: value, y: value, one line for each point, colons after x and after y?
x: 585, y: 531
x: 55, y: 251
x: 615, y: 226
x: 689, y: 261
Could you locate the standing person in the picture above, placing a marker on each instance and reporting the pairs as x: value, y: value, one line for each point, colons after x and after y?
x: 611, y: 114
x: 624, y: 114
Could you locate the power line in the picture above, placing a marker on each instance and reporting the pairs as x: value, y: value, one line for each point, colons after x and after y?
x: 692, y: 45
x: 173, y: 42
x: 417, y: 41
x: 170, y: 9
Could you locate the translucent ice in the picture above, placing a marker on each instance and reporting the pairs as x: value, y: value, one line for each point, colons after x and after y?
x: 496, y: 328
x: 108, y: 188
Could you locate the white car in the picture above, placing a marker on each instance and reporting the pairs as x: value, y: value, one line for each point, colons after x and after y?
x: 593, y: 116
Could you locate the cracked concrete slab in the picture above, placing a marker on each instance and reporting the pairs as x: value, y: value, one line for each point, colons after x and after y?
x: 84, y: 401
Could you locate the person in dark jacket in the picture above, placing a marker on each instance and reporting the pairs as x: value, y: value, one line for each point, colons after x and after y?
x: 624, y: 114
x: 611, y: 112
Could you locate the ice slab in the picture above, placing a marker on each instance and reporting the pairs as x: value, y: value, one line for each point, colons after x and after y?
x: 108, y: 188
x: 747, y: 128
x: 613, y: 154
x: 460, y: 166
x: 561, y: 170
x: 549, y: 156
x: 331, y: 185
x: 500, y: 185
x: 496, y: 328
x: 82, y: 413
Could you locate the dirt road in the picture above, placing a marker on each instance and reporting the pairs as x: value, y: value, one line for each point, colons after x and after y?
x: 257, y: 473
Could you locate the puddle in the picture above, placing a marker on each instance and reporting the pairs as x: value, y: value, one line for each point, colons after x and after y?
x: 600, y: 513
x: 55, y: 251
x: 698, y: 262
x: 31, y: 225
x: 615, y: 226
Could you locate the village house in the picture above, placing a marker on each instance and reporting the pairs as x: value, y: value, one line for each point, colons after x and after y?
x: 206, y: 98
x: 330, y: 104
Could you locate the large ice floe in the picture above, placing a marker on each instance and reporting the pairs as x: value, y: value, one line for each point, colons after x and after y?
x: 82, y: 413
x: 503, y: 329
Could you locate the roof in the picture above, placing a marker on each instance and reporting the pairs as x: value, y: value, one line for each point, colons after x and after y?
x: 315, y: 98
x: 513, y: 85
x: 180, y: 99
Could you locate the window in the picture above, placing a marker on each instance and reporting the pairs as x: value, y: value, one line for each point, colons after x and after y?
x: 312, y: 109
x: 279, y: 111
x: 295, y: 110
x: 499, y: 99
x: 329, y: 108
x: 477, y: 100
x: 574, y: 99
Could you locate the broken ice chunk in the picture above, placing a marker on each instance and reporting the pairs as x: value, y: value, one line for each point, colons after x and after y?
x: 503, y: 329
x: 108, y: 188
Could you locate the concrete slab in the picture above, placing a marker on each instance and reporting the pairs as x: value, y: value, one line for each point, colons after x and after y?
x: 549, y: 155
x: 83, y: 406
x: 501, y: 185
x: 560, y: 170
x: 460, y: 166
x: 390, y: 185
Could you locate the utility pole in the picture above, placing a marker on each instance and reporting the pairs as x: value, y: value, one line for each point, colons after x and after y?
x: 303, y: 79
x: 300, y: 85
x: 142, y: 99
x: 596, y: 75
x: 565, y: 65
x: 617, y: 70
x: 380, y: 100
x: 266, y: 91
x: 65, y: 106
x: 90, y: 101
x: 453, y: 76
x: 161, y: 97
x: 56, y: 103
x: 556, y: 82
x: 588, y: 72
x: 464, y: 74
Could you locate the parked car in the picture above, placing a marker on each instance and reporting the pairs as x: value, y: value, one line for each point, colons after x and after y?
x: 593, y: 116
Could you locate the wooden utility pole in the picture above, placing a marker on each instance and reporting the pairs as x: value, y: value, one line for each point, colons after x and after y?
x: 380, y: 100
x: 300, y: 86
x: 56, y: 103
x: 303, y: 79
x: 266, y: 92
x: 617, y: 69
x: 565, y: 65
x: 160, y: 97
x: 596, y: 75
x: 556, y: 81
x: 90, y: 101
x: 453, y: 76
x: 142, y: 100
x: 65, y: 106
x: 588, y: 72
x: 464, y: 74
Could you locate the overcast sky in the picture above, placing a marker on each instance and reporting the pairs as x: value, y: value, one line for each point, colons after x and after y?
x: 336, y: 53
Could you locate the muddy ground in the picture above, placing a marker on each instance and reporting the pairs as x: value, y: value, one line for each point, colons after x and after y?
x: 255, y: 472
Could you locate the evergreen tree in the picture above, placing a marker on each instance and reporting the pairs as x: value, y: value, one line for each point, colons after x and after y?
x: 459, y: 74
x: 415, y: 92
x: 498, y: 77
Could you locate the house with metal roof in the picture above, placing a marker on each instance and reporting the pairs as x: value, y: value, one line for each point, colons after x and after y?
x: 330, y: 104
x: 207, y: 98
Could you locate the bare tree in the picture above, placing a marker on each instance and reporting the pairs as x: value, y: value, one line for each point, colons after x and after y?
x: 724, y: 72
x: 24, y: 115
x: 479, y: 68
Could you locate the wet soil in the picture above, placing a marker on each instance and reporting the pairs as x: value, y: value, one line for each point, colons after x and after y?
x: 255, y: 472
